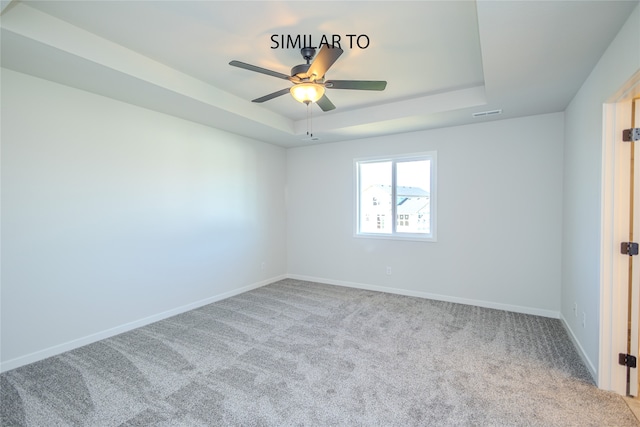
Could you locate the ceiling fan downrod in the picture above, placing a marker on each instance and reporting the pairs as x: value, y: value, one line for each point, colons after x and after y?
x: 308, y: 53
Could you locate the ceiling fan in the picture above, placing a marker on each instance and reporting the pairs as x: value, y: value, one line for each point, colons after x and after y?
x: 308, y: 79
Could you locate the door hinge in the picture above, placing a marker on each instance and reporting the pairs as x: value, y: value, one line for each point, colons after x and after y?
x: 632, y: 134
x: 629, y: 248
x: 627, y: 360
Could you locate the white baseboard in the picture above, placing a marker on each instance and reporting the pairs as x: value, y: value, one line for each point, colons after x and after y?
x: 71, y: 345
x: 581, y: 352
x: 437, y: 297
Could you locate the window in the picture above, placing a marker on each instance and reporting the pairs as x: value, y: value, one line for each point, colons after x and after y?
x: 401, y: 188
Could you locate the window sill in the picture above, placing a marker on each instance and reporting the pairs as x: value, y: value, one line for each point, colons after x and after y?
x: 410, y: 237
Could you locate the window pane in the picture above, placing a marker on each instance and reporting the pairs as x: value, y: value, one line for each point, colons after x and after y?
x: 412, y: 196
x: 375, y: 197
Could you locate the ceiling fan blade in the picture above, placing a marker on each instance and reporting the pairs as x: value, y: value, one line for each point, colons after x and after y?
x: 272, y: 95
x: 323, y: 61
x: 325, y: 104
x: 259, y: 70
x: 356, y: 84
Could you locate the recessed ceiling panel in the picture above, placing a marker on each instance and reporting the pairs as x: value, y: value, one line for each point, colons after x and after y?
x: 417, y: 47
x: 442, y: 60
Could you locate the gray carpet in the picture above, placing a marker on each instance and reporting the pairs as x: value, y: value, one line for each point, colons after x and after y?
x: 300, y: 353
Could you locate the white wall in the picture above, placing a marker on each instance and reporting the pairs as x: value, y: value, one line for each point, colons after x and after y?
x: 582, y: 186
x: 499, y: 216
x: 112, y: 213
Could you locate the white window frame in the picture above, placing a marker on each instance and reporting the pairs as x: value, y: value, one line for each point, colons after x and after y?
x: 395, y: 235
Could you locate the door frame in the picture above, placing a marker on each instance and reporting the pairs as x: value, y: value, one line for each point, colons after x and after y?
x: 614, y: 268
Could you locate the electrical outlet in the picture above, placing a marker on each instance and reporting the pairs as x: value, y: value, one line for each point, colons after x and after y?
x: 575, y: 309
x: 584, y: 319
x: 388, y: 271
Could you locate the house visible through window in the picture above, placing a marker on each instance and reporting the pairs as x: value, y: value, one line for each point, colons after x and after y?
x: 403, y: 220
x: 400, y: 187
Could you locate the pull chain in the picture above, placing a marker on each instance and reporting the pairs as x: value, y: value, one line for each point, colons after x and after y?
x: 309, y: 120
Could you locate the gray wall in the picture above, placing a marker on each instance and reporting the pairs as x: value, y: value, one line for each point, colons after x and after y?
x: 113, y: 216
x: 499, y: 216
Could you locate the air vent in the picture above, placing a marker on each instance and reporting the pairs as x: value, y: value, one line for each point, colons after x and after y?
x: 487, y: 113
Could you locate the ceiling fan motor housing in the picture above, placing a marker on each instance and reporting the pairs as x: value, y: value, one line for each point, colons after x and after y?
x: 300, y: 70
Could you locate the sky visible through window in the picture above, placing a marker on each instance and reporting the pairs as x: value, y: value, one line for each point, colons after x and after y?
x: 409, y: 174
x: 414, y: 174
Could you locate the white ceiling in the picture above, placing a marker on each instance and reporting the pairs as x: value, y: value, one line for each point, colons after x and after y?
x: 443, y: 60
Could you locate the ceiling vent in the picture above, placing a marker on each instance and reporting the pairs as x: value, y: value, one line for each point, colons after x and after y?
x: 487, y: 113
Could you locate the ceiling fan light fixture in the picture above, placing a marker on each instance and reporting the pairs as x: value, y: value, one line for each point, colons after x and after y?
x: 307, y: 92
